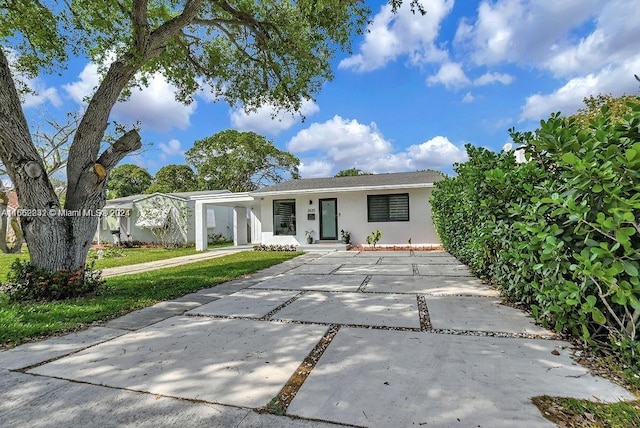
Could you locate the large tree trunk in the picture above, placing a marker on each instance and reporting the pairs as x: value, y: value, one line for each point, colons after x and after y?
x: 60, y: 239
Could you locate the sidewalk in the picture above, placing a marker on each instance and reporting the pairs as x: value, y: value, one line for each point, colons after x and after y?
x: 357, y: 339
x: 176, y: 261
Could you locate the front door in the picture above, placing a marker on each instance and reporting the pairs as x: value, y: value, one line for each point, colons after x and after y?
x: 329, y: 219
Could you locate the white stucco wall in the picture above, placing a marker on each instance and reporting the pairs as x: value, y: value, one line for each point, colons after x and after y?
x: 223, y: 221
x: 352, y: 216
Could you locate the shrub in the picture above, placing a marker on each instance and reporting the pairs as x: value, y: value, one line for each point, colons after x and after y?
x: 217, y: 238
x: 107, y: 253
x: 560, y: 232
x: 274, y: 247
x: 25, y: 282
x: 374, y: 238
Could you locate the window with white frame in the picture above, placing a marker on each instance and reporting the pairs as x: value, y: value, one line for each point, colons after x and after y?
x: 284, y: 217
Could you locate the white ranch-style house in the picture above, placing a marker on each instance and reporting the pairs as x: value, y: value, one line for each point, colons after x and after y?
x: 397, y: 204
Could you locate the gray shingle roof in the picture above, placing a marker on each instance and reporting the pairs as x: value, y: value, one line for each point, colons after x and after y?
x: 182, y: 195
x: 376, y: 180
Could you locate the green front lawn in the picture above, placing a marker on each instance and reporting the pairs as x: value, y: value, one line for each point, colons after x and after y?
x: 132, y: 256
x: 115, y: 257
x: 20, y: 322
x: 6, y: 260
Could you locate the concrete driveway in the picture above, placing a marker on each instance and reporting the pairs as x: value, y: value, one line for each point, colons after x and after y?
x: 364, y: 339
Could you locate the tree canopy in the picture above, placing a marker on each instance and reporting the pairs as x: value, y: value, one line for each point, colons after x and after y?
x: 351, y: 172
x: 617, y: 107
x: 240, y: 162
x: 127, y: 180
x: 247, y: 52
x: 173, y: 178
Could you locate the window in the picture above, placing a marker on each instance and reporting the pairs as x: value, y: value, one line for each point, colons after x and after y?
x: 388, y: 207
x: 284, y: 217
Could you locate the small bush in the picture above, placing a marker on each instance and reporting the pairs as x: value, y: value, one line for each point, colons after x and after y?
x: 273, y: 247
x: 374, y: 238
x: 217, y: 238
x: 26, y: 282
x: 107, y: 253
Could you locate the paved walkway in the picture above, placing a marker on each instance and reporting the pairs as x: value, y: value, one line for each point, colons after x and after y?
x: 360, y: 339
x: 175, y: 261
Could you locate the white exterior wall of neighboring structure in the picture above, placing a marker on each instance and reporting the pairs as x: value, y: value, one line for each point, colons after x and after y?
x: 130, y: 232
x: 352, y: 217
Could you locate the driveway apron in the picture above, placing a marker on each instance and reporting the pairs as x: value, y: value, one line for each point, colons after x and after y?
x: 362, y: 339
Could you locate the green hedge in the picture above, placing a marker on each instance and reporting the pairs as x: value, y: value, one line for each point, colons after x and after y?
x: 560, y: 232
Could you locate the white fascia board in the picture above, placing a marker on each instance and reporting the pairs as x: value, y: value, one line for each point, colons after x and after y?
x: 345, y: 189
x: 224, y: 198
x: 164, y: 195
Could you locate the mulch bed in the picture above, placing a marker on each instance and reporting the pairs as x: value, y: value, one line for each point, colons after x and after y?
x: 393, y: 248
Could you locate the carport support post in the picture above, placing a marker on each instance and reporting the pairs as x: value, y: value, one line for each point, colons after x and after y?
x: 201, y: 226
x: 239, y: 226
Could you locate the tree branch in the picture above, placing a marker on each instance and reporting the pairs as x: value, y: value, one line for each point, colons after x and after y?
x: 124, y: 145
x: 140, y: 25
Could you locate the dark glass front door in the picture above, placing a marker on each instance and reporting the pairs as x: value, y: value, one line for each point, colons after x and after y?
x: 329, y: 219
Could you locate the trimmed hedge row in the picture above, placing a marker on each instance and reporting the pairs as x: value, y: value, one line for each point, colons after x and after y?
x: 560, y: 232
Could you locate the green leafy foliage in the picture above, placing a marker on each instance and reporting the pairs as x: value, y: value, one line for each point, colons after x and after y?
x: 240, y: 161
x: 173, y: 178
x: 276, y: 248
x: 127, y: 180
x: 351, y: 172
x: 26, y: 282
x: 374, y: 238
x: 560, y: 232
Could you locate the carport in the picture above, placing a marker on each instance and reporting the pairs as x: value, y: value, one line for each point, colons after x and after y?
x: 246, y: 217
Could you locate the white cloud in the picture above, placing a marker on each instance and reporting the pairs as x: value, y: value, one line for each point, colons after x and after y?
x: 40, y: 95
x: 468, y: 98
x: 390, y: 36
x: 343, y: 140
x: 615, y: 80
x: 86, y: 84
x: 450, y: 75
x: 343, y: 143
x: 589, y: 45
x: 524, y: 31
x: 172, y: 148
x: 489, y: 78
x: 312, y: 168
x: 154, y: 106
x: 614, y: 40
x: 269, y: 120
x: 436, y: 152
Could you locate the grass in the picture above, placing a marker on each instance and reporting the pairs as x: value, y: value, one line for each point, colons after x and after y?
x: 571, y: 412
x: 21, y: 322
x: 130, y: 256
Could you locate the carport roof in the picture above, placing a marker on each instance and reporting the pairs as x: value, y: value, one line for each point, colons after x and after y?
x: 359, y: 182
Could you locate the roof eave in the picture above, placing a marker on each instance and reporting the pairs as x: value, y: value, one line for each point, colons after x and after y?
x: 345, y: 189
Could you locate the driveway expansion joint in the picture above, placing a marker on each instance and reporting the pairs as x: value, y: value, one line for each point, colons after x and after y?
x: 270, y: 315
x: 364, y: 284
x: 423, y: 313
x: 280, y: 403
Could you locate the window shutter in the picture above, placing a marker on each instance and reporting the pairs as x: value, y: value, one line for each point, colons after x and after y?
x: 384, y: 208
x: 378, y: 208
x: 398, y: 207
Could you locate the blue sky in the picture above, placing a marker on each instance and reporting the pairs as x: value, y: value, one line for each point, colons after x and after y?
x: 414, y: 91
